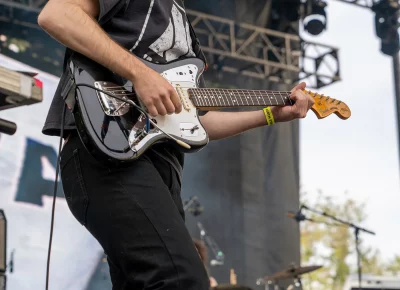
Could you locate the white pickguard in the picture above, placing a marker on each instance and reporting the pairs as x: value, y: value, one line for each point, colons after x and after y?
x: 184, y: 125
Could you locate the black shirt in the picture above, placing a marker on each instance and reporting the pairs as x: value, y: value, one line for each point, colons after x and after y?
x: 155, y: 30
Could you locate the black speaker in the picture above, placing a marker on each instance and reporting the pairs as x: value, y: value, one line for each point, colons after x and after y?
x: 3, y: 239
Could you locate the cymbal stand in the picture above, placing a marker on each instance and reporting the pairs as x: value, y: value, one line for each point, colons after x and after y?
x: 297, y: 282
x: 268, y: 284
x: 189, y: 203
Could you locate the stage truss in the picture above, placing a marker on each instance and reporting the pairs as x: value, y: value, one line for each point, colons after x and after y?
x: 263, y: 53
x: 236, y: 48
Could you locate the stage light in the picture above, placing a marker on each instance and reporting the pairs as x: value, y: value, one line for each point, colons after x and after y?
x: 391, y: 46
x: 289, y: 9
x: 386, y: 24
x: 316, y: 20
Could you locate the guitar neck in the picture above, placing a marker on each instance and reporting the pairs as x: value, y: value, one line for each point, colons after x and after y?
x: 215, y: 99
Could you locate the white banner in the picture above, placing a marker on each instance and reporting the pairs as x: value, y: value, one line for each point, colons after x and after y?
x: 27, y: 172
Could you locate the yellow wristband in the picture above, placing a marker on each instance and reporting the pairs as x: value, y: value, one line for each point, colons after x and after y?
x: 269, y: 116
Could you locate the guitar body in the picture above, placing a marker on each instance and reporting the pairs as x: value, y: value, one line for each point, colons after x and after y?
x: 114, y: 131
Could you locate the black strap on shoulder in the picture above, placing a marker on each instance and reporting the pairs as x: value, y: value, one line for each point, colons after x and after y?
x: 196, y: 44
x: 113, y: 11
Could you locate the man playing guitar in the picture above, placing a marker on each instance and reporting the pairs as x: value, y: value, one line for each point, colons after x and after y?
x: 135, y: 211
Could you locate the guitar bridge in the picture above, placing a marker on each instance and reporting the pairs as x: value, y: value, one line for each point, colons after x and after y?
x: 111, y: 106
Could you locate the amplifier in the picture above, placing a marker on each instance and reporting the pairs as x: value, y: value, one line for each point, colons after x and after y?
x: 372, y: 282
x: 19, y: 89
x: 3, y: 240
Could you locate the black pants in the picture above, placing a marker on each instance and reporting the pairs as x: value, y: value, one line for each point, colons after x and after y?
x: 137, y: 216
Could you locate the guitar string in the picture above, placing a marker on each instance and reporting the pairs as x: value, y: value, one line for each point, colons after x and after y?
x: 261, y: 92
x: 276, y: 96
x: 215, y: 89
x: 253, y: 98
x: 258, y: 96
x: 314, y: 94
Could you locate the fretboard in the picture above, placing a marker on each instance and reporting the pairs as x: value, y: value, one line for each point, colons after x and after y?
x: 226, y: 98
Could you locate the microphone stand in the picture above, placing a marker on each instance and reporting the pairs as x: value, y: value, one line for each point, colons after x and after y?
x: 212, y: 244
x: 357, y: 231
x: 193, y: 206
x: 189, y: 203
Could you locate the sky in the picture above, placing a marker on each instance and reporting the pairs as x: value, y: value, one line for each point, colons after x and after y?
x: 360, y: 155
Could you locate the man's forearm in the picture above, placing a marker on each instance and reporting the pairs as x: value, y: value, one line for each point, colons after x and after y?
x: 77, y: 29
x: 220, y: 125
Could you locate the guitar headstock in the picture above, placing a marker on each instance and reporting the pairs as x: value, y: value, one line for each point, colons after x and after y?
x: 325, y: 106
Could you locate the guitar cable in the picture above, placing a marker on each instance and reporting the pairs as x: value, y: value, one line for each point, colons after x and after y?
x: 54, y: 199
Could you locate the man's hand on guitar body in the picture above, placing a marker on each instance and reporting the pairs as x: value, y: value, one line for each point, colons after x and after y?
x: 156, y: 93
x: 302, y: 104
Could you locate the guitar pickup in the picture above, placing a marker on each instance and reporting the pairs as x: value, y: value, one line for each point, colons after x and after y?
x: 183, y: 97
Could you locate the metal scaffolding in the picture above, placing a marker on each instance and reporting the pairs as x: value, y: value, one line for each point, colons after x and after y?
x: 237, y: 48
x: 264, y: 53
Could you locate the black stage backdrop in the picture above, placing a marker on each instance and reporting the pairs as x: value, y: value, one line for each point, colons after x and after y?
x: 247, y: 183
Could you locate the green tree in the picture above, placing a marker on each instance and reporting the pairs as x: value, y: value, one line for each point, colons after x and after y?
x: 393, y: 267
x: 333, y: 245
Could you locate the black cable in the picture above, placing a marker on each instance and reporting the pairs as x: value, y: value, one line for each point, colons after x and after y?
x: 58, y: 170
x: 54, y: 200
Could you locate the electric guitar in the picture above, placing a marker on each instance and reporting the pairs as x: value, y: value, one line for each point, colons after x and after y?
x: 114, y: 125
